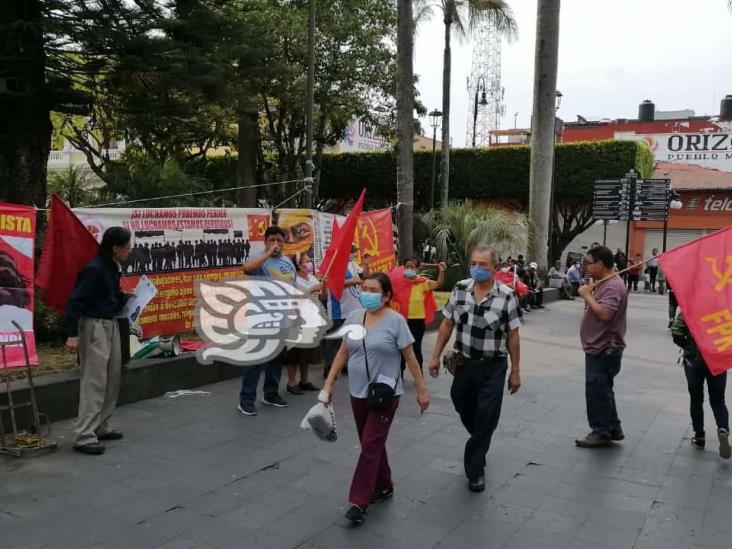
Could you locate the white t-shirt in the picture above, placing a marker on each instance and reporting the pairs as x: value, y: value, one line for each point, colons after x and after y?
x: 304, y: 284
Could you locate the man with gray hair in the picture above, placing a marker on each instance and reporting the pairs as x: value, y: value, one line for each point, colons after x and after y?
x: 486, y: 316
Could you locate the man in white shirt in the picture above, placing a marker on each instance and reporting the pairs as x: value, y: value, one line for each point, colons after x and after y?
x: 558, y: 279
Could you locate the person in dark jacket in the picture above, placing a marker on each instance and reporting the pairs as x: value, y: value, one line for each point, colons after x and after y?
x: 697, y: 372
x: 91, y: 312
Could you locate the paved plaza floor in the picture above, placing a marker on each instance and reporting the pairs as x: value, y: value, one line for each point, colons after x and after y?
x: 194, y: 473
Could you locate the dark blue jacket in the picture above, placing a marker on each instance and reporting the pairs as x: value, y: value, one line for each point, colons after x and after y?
x: 96, y: 294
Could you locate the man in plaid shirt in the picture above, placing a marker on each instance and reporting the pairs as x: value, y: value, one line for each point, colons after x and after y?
x: 486, y: 315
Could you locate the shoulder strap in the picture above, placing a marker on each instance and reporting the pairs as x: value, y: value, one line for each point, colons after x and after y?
x: 365, y: 354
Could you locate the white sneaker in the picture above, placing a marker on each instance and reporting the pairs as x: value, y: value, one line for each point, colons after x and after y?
x: 725, y: 450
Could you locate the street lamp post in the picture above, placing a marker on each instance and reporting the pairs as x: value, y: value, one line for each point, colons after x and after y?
x: 558, y: 103
x: 479, y: 87
x: 435, y: 117
x: 673, y: 204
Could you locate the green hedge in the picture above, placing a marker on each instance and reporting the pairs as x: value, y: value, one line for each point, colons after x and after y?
x: 485, y: 173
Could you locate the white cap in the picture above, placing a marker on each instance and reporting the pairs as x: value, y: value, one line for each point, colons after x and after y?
x: 533, y: 265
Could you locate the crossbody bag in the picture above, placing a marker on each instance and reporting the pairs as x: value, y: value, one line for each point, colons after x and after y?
x: 379, y: 394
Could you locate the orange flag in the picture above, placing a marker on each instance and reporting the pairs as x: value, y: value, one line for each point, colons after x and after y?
x: 700, y: 273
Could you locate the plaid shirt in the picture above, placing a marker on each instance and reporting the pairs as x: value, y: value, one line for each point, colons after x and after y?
x: 482, y: 328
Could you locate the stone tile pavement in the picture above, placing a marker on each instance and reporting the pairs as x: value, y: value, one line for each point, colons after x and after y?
x: 193, y: 473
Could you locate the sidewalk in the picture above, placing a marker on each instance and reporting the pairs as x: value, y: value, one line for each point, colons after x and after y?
x: 194, y: 473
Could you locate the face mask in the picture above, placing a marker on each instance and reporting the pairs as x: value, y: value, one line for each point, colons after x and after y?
x: 505, y: 269
x: 351, y: 257
x: 410, y: 273
x: 370, y: 300
x: 309, y: 267
x: 479, y: 274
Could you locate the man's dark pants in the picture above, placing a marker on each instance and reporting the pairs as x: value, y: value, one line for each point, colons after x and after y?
x: 250, y: 379
x: 695, y: 376
x: 477, y: 394
x: 600, y: 372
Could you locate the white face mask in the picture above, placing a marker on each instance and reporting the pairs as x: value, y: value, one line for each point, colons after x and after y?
x: 505, y: 269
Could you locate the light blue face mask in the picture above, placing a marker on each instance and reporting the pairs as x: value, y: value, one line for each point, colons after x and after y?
x: 370, y: 300
x: 479, y: 274
x: 410, y: 273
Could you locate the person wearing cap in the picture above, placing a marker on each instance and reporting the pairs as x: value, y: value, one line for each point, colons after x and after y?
x: 536, y: 291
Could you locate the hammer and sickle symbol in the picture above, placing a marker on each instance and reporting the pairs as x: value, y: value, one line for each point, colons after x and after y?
x: 723, y: 278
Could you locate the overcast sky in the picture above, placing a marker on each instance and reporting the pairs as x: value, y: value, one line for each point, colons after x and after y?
x: 612, y: 55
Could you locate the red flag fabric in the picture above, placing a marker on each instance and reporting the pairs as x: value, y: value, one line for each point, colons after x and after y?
x: 700, y: 274
x: 68, y: 247
x: 402, y: 288
x: 336, y: 261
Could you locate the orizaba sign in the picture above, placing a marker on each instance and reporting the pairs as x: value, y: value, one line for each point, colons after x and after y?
x: 709, y: 150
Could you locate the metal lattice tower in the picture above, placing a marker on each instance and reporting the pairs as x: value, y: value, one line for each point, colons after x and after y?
x: 485, y: 75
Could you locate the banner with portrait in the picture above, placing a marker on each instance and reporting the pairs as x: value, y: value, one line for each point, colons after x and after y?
x: 174, y: 247
x: 17, y: 238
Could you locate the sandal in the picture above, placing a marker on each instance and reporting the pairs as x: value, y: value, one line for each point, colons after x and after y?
x: 308, y: 386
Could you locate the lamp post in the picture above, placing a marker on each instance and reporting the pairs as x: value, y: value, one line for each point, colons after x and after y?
x: 673, y: 204
x: 557, y: 103
x: 435, y: 117
x: 479, y: 88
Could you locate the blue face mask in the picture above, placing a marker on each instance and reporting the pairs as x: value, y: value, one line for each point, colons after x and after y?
x: 479, y: 274
x: 370, y: 300
x: 410, y: 273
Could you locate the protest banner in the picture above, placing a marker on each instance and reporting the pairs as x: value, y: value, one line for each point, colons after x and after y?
x: 299, y: 230
x: 174, y: 247
x: 17, y: 236
x: 374, y: 237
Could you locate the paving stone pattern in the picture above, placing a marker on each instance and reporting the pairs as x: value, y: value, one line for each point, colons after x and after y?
x: 193, y: 473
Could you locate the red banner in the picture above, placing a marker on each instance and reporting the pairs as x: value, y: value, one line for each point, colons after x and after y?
x: 17, y: 236
x: 374, y: 236
x: 700, y: 274
x: 257, y: 224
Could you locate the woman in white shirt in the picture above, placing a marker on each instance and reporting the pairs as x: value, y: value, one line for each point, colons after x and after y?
x: 297, y: 358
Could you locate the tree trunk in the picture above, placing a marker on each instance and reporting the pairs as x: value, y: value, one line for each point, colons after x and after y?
x: 445, y: 151
x: 542, y: 127
x: 246, y: 163
x: 405, y: 127
x: 25, y: 122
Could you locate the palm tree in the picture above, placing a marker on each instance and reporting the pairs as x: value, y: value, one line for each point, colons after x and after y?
x: 460, y: 17
x: 405, y: 127
x: 542, y: 127
x: 458, y: 226
x: 75, y: 186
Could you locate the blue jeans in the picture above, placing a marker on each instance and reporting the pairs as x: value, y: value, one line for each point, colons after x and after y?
x: 250, y: 379
x: 600, y: 371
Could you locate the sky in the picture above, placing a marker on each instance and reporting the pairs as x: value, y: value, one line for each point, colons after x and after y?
x: 612, y: 56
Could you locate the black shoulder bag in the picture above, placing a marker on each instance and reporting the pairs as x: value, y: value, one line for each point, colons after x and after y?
x: 379, y: 394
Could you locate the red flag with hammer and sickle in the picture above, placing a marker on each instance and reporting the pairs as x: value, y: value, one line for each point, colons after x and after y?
x: 700, y: 274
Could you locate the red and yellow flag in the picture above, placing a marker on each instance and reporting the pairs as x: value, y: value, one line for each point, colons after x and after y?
x: 700, y: 274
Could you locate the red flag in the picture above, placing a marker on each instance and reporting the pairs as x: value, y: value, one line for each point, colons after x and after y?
x: 700, y: 274
x: 335, y: 260
x: 68, y: 247
x: 402, y: 288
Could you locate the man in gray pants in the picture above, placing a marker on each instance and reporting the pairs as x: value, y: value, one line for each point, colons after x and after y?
x: 91, y: 312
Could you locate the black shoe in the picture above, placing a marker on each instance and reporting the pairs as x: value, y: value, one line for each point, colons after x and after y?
x: 698, y: 442
x: 355, y: 514
x: 477, y: 484
x: 92, y: 449
x: 275, y: 400
x: 540, y: 307
x: 111, y: 435
x: 382, y: 495
x: 617, y: 435
x: 594, y: 440
x: 308, y: 386
x: 295, y: 390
